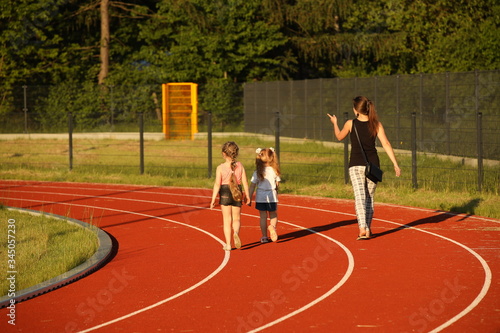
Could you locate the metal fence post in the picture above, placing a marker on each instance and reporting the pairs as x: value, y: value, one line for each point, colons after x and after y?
x: 398, y: 114
x: 209, y: 144
x: 25, y: 109
x: 306, y: 116
x: 70, y: 131
x: 421, y: 112
x: 277, y: 135
x: 346, y: 153
x: 479, y: 123
x: 112, y: 108
x: 446, y: 110
x: 414, y: 150
x: 141, y: 141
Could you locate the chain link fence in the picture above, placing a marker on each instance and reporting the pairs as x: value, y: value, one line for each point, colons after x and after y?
x: 45, y: 109
x: 450, y: 114
x: 98, y: 108
x: 446, y: 106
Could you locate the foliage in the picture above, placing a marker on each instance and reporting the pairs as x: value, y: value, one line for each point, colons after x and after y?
x: 51, y: 42
x: 218, y: 97
x: 198, y: 40
x: 82, y: 102
x: 93, y: 107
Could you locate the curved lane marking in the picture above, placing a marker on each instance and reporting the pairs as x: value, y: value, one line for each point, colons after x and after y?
x: 344, y: 279
x: 472, y: 305
x: 484, y: 264
x: 133, y: 187
x: 221, y: 266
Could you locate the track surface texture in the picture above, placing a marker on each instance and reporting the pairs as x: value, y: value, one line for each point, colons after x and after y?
x: 424, y: 271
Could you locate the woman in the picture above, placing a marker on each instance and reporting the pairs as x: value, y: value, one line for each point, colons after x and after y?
x: 369, y: 128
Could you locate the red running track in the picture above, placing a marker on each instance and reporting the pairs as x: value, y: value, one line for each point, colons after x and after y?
x: 425, y: 271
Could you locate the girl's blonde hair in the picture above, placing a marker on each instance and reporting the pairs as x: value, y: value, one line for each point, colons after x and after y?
x: 266, y: 157
x: 231, y: 150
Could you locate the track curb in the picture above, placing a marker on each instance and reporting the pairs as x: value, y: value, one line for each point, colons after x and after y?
x: 100, y: 257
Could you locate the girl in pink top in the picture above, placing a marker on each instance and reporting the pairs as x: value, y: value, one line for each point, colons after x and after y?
x: 229, y: 177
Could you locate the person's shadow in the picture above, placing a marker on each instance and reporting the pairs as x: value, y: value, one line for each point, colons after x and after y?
x: 468, y: 209
x: 303, y: 232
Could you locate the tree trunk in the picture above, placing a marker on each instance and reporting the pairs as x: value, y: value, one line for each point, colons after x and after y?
x: 104, y: 42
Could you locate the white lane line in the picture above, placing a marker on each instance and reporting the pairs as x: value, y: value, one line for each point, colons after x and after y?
x: 137, y: 188
x: 484, y: 264
x: 486, y: 269
x: 344, y: 279
x: 484, y: 289
x: 214, y: 273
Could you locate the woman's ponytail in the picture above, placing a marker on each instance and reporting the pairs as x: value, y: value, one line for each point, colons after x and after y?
x: 364, y: 106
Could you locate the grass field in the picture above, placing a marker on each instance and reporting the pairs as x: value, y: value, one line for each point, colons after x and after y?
x: 309, y: 168
x: 40, y: 248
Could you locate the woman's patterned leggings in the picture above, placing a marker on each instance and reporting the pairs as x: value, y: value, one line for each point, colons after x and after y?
x: 364, y: 191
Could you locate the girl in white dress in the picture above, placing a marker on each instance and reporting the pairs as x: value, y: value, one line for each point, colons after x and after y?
x: 266, y: 180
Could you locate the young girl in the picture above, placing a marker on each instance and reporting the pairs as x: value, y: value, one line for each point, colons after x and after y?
x: 266, y: 178
x: 229, y: 177
x: 369, y: 128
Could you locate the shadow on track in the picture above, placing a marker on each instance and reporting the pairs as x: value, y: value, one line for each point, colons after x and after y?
x: 303, y: 233
x: 468, y: 207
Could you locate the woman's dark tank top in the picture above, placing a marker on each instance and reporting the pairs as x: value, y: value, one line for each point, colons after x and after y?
x: 368, y: 143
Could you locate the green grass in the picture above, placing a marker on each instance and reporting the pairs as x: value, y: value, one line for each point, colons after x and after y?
x: 45, y: 247
x: 309, y: 168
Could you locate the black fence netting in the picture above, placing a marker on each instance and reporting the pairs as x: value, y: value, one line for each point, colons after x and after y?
x: 446, y: 107
x: 45, y: 109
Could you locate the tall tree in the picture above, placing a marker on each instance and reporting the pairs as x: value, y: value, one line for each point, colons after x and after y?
x: 104, y: 55
x: 199, y: 39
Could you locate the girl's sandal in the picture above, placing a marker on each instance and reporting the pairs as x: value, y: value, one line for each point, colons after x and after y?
x: 226, y: 248
x: 237, y: 241
x: 272, y: 232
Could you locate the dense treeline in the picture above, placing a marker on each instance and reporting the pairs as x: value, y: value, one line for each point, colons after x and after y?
x: 221, y: 43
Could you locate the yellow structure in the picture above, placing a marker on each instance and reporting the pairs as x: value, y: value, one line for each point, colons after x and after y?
x: 180, y: 110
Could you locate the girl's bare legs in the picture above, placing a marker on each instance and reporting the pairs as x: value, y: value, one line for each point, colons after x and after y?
x: 227, y: 219
x: 273, y: 217
x: 236, y: 216
x: 263, y: 222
